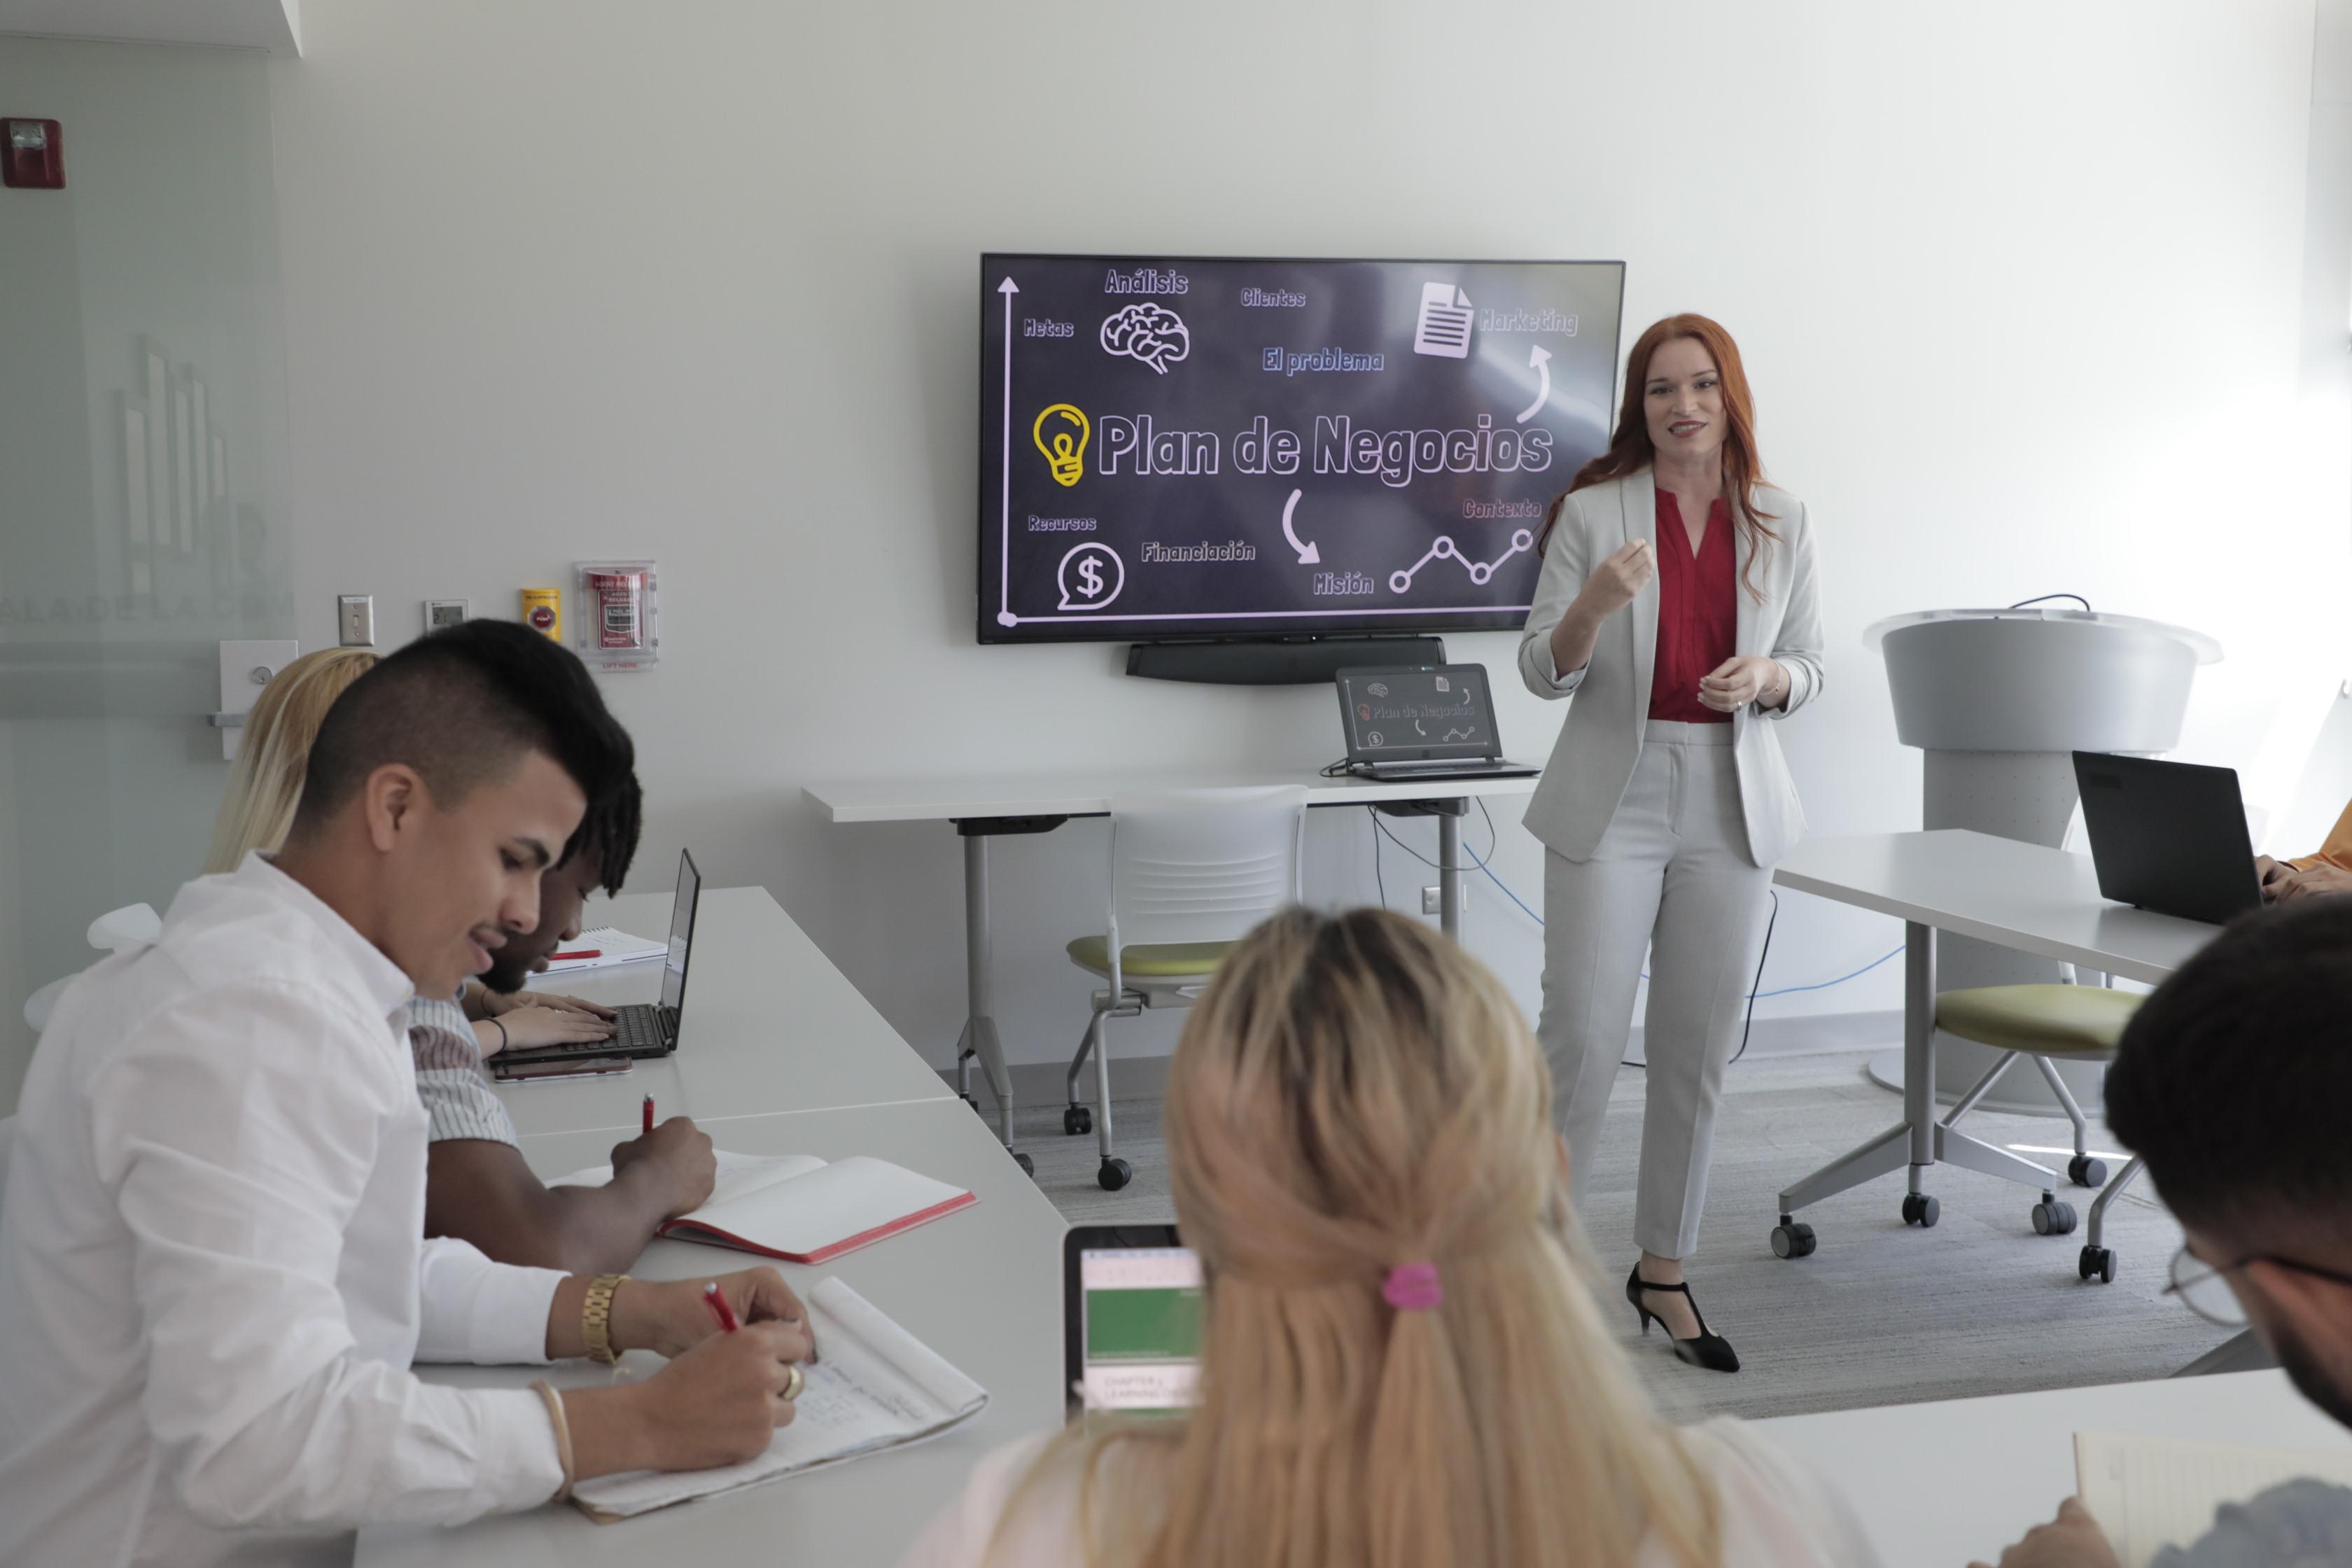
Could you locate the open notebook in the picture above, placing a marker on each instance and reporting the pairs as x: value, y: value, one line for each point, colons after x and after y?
x: 610, y: 944
x: 874, y: 1386
x: 802, y: 1209
x: 2148, y: 1493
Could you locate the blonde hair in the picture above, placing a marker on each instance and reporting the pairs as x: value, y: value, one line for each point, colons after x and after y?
x: 1353, y: 1093
x: 265, y: 782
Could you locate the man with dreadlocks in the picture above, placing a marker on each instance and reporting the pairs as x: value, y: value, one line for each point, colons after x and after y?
x: 476, y: 1187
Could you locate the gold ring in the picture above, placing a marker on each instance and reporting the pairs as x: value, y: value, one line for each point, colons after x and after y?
x: 792, y: 1384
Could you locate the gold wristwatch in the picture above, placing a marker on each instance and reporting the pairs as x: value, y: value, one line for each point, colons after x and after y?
x: 596, y: 1317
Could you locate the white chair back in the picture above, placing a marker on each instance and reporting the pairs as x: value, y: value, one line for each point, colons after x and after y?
x: 1203, y: 865
x: 129, y: 926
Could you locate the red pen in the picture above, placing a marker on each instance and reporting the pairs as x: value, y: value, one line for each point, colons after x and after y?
x: 649, y: 1114
x: 582, y: 953
x: 720, y: 1309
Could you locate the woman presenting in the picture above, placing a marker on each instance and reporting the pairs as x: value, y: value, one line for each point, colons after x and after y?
x: 1678, y: 605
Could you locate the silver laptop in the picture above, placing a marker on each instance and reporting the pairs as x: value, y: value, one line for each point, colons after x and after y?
x: 1422, y: 721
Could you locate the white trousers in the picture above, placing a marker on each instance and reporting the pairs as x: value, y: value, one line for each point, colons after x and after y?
x: 1672, y: 875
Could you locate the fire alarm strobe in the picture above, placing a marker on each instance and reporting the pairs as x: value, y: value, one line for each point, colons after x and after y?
x: 30, y: 155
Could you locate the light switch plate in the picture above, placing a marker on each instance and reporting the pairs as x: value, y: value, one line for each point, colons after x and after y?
x: 246, y: 666
x: 355, y: 620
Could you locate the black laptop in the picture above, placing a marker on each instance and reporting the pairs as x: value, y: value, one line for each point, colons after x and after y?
x: 642, y: 1028
x: 1422, y: 721
x: 2168, y: 837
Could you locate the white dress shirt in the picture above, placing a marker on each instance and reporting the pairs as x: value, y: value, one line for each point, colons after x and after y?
x: 1775, y: 1514
x: 213, y: 1270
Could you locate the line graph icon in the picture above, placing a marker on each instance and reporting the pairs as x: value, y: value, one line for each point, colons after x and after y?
x: 1443, y: 549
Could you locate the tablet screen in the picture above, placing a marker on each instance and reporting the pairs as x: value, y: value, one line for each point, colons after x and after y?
x: 1139, y: 1329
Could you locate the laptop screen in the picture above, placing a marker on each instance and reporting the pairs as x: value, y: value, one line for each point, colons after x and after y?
x: 1437, y: 712
x: 681, y: 933
x: 1136, y: 1341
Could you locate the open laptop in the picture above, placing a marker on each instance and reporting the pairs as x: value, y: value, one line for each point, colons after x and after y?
x: 642, y: 1028
x: 1422, y: 721
x: 1130, y: 1319
x: 2168, y: 837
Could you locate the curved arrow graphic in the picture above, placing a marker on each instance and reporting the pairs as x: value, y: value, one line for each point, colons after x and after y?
x: 1540, y: 357
x: 1308, y: 555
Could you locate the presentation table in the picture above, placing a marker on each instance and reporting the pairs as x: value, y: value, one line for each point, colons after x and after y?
x: 769, y: 1025
x: 985, y: 806
x: 982, y: 1287
x: 2000, y: 890
x: 1940, y: 1485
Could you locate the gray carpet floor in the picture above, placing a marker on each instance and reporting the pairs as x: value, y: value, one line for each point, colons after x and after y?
x: 1881, y: 1314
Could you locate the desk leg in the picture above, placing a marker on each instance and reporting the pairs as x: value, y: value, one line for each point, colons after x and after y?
x: 1910, y: 1142
x: 979, y: 1038
x: 1449, y: 875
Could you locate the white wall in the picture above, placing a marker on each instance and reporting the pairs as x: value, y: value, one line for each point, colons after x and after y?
x: 2022, y: 295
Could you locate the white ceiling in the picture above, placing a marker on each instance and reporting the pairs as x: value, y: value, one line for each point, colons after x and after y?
x: 271, y: 25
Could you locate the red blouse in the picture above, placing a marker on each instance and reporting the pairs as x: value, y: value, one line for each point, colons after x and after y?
x: 1698, y: 614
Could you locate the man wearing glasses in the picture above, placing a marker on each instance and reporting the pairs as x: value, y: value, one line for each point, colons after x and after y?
x: 2234, y: 1083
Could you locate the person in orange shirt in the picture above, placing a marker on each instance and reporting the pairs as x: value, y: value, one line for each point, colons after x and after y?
x: 2328, y: 871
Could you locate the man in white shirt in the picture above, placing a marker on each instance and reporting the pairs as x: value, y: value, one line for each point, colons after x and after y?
x: 213, y: 1269
x: 2232, y: 1083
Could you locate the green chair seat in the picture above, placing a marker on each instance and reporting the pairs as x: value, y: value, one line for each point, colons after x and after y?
x: 2043, y: 1020
x: 1150, y: 960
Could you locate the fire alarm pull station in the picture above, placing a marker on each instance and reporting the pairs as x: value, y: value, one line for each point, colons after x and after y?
x: 616, y: 615
x: 31, y: 158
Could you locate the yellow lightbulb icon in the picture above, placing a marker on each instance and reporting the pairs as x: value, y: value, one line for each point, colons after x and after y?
x: 1064, y: 453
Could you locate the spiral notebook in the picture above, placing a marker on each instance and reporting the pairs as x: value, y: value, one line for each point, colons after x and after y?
x: 803, y: 1209
x: 2151, y: 1493
x: 874, y: 1387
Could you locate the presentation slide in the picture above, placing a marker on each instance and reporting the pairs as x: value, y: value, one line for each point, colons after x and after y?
x: 1182, y: 448
x: 1142, y: 1328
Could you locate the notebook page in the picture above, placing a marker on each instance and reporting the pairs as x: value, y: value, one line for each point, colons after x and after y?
x: 740, y: 1175
x: 945, y: 1387
x: 853, y: 1403
x: 2148, y: 1493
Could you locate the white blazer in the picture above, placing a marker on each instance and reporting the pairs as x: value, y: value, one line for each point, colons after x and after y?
x: 1594, y: 759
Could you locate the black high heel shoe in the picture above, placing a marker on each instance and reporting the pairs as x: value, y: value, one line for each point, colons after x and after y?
x: 1712, y: 1351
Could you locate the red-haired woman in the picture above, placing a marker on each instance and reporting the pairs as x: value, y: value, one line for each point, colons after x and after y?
x: 1679, y: 605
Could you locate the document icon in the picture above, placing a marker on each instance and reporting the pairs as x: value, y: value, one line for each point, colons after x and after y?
x: 1444, y: 326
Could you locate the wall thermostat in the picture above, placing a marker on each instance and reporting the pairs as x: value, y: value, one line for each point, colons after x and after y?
x: 440, y: 613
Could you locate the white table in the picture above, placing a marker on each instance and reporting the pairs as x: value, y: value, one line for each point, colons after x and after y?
x: 1937, y: 1485
x: 2023, y: 896
x: 982, y: 1287
x: 769, y: 1025
x: 986, y: 806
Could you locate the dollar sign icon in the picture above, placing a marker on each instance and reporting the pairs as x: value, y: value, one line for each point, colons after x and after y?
x: 1090, y: 577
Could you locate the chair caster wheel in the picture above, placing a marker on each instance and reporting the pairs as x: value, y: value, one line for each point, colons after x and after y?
x: 2085, y: 1171
x: 1921, y: 1210
x: 2097, y: 1263
x: 1790, y: 1239
x: 1114, y: 1175
x: 1028, y: 1166
x: 2051, y: 1217
x: 1078, y: 1121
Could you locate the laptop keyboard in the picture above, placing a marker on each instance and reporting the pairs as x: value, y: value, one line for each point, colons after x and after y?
x: 636, y: 1028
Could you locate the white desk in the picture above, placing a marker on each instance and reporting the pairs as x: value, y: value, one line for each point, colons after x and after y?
x: 769, y: 1026
x: 988, y: 806
x: 1938, y: 1485
x: 2024, y: 896
x: 982, y: 1287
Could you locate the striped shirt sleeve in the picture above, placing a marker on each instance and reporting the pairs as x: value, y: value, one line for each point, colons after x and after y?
x: 457, y: 1097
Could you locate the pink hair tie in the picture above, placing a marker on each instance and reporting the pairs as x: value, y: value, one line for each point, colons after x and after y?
x: 1414, y: 1288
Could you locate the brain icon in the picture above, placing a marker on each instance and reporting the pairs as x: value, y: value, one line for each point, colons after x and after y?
x: 1152, y: 333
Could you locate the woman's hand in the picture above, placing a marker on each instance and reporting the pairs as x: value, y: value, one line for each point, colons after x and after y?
x: 1615, y: 582
x: 1741, y: 680
x: 670, y: 1316
x: 2313, y: 882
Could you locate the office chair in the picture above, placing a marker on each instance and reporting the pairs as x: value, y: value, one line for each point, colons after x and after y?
x: 2081, y: 1023
x: 1190, y: 875
x: 129, y: 926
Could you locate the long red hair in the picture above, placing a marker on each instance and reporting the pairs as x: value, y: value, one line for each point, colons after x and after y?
x: 1630, y: 450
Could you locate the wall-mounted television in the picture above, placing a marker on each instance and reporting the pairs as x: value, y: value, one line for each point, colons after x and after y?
x: 1181, y: 448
